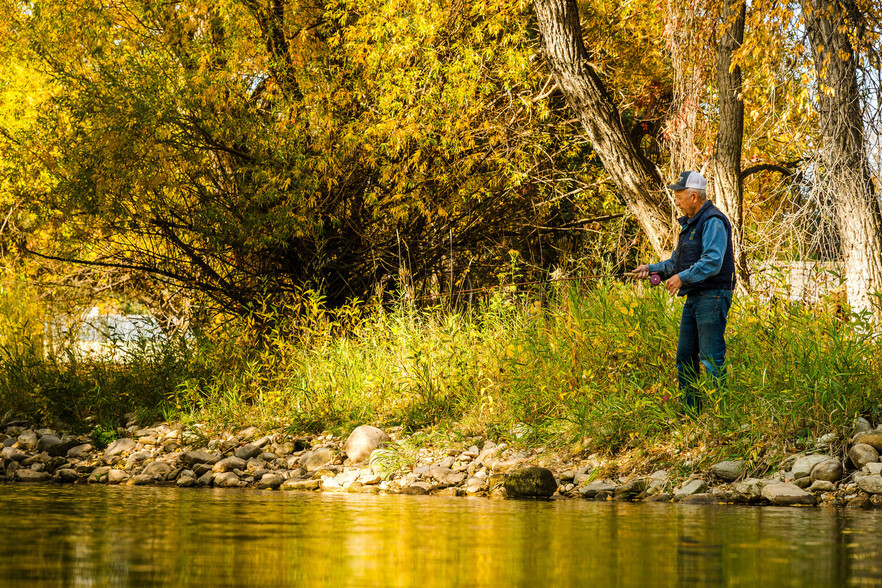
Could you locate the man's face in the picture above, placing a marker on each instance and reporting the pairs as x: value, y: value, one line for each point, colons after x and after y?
x: 686, y: 201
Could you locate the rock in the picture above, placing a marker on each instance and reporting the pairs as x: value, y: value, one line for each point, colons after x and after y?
x: 11, y: 466
x: 699, y: 498
x: 803, y: 482
x: 582, y: 477
x: 247, y: 452
x: 46, y: 442
x: 591, y: 490
x: 630, y: 489
x: 28, y: 441
x: 117, y: 476
x: 191, y: 458
x: 728, y: 471
x: 255, y: 465
x: 64, y: 447
x: 750, y: 490
x: 28, y: 475
x: 13, y: 454
x: 66, y: 476
x: 99, y: 475
x: 447, y: 477
x: 782, y: 494
x: 862, y: 425
x: 416, y: 489
x: 228, y: 464
x: 803, y: 465
x: 828, y: 439
x: 862, y: 454
x: 318, y: 458
x: 79, y: 451
x: 140, y: 480
x: 822, y: 486
x: 506, y: 466
x: 874, y: 440
x: 369, y: 478
x: 474, y: 485
x: 859, y: 501
x: 205, y: 479
x: 530, y: 482
x: 227, y: 480
x: 689, y: 488
x: 871, y: 483
x: 873, y: 468
x: 200, y: 469
x: 660, y: 498
x: 293, y: 484
x: 158, y: 470
x: 829, y: 470
x: 186, y: 481
x: 119, y: 447
x: 363, y: 440
x: 270, y: 482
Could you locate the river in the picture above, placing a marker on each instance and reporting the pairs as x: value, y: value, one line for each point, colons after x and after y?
x: 100, y: 536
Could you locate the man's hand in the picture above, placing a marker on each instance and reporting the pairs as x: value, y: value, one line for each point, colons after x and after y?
x: 641, y: 272
x: 673, y: 284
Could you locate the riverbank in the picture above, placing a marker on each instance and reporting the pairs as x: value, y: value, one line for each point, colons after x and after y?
x: 370, y: 460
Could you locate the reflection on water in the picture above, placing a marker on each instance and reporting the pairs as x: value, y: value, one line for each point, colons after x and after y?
x: 135, y: 536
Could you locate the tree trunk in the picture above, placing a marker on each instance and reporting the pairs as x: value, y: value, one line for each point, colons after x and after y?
x: 636, y: 177
x: 725, y: 177
x: 846, y: 173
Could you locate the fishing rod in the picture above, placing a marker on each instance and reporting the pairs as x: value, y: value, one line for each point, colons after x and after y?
x: 654, y: 279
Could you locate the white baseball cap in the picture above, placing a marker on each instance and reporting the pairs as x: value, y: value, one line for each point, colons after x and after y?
x: 687, y: 180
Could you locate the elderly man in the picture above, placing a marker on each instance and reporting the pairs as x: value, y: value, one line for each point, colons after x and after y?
x: 702, y: 268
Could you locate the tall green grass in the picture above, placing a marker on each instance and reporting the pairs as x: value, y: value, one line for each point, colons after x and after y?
x: 583, y: 369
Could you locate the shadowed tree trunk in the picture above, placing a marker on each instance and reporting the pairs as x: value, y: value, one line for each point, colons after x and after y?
x: 725, y: 177
x: 846, y: 173
x: 635, y: 176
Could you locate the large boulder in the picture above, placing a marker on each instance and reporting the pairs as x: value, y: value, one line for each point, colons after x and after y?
x: 363, y: 440
x: 530, y: 482
x: 787, y: 495
x: 830, y: 470
x: 728, y: 471
x: 861, y: 454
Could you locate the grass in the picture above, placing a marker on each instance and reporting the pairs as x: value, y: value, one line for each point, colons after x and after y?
x: 580, y: 370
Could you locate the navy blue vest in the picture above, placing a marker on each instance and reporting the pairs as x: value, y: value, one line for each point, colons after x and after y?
x: 689, y: 248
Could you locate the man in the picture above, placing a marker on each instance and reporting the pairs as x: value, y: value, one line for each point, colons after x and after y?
x: 702, y: 268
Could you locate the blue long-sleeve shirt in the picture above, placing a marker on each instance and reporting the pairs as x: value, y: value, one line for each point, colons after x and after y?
x: 713, y: 247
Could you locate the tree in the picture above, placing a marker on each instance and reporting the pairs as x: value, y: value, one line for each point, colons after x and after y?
x: 725, y: 176
x: 844, y: 173
x: 637, y: 179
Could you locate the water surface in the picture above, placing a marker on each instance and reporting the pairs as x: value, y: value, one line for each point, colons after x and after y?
x: 144, y: 536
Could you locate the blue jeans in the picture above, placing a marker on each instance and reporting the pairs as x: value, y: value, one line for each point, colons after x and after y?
x: 702, y: 341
